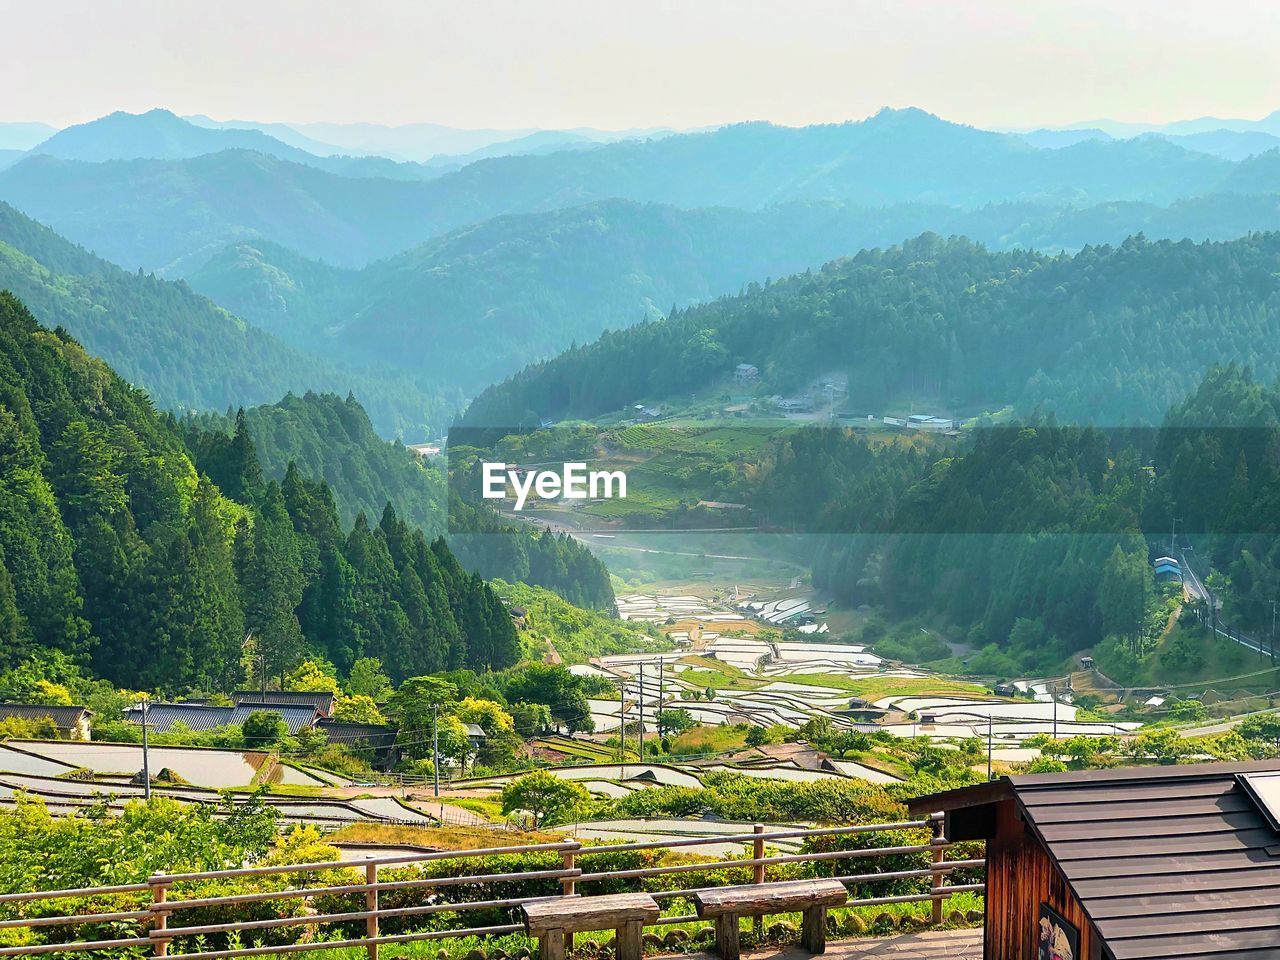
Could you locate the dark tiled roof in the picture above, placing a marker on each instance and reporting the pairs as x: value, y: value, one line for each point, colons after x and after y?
x: 198, y: 716
x: 201, y: 716
x: 1168, y: 861
x: 322, y: 701
x: 64, y: 718
x: 358, y: 734
x: 294, y: 716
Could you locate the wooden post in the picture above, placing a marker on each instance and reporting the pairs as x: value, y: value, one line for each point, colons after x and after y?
x: 160, y: 916
x: 757, y: 872
x: 937, y: 877
x: 569, y: 887
x: 630, y: 940
x: 813, y: 929
x: 551, y: 944
x: 371, y: 903
x: 727, y: 936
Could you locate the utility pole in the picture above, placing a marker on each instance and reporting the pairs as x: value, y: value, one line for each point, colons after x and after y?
x: 1054, y: 695
x: 435, y: 750
x: 146, y: 753
x: 657, y: 719
x: 1173, y: 535
x: 1272, y: 644
x: 622, y: 723
x: 989, y: 729
x: 640, y: 734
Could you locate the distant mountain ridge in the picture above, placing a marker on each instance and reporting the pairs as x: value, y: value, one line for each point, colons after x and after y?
x: 23, y: 136
x: 162, y: 135
x: 167, y: 215
x: 155, y: 135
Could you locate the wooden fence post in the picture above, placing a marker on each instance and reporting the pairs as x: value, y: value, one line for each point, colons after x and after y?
x: 938, y: 877
x: 159, y: 915
x: 569, y: 885
x: 757, y: 874
x: 371, y: 903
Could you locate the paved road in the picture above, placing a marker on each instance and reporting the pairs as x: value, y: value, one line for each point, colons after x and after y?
x: 1221, y: 727
x: 1196, y: 588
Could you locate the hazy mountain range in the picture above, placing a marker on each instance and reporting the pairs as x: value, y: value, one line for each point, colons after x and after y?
x: 168, y: 214
x: 417, y: 282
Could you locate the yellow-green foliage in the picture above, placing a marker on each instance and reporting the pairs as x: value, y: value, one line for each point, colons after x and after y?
x: 703, y: 739
x: 577, y: 633
x: 22, y: 728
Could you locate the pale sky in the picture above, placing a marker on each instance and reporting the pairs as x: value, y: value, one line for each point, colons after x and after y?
x: 602, y: 63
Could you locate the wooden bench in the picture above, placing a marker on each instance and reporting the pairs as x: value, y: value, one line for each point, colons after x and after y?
x: 625, y: 913
x: 811, y: 898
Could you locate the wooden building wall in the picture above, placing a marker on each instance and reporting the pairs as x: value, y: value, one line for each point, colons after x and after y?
x: 1021, y: 876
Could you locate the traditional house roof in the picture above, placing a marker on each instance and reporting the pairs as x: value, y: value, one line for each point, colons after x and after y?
x: 374, y: 735
x: 64, y: 718
x: 295, y: 716
x: 322, y: 700
x: 162, y: 717
x: 1166, y: 861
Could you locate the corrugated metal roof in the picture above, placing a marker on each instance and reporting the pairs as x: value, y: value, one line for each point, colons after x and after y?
x: 1169, y: 861
x: 294, y: 717
x: 358, y: 734
x: 321, y: 700
x: 64, y: 718
x: 199, y: 716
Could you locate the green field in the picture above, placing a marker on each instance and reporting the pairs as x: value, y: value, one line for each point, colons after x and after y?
x: 703, y: 740
x: 876, y: 687
x: 584, y: 750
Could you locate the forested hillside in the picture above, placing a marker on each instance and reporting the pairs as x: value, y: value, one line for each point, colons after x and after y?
x: 1039, y: 526
x: 1218, y: 472
x: 1110, y: 335
x: 185, y: 351
x: 480, y: 303
x: 330, y: 439
x: 1032, y: 542
x: 121, y: 551
x: 1025, y: 541
x: 514, y: 553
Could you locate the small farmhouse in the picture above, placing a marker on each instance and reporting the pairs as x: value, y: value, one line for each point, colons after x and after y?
x: 928, y: 422
x: 1147, y: 862
x: 73, y: 723
x: 1167, y: 569
x: 746, y: 373
x: 374, y: 738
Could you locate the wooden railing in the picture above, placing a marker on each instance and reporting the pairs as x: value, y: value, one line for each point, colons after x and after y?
x: 156, y: 929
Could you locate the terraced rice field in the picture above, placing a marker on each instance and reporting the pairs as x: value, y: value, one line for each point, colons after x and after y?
x: 204, y: 768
